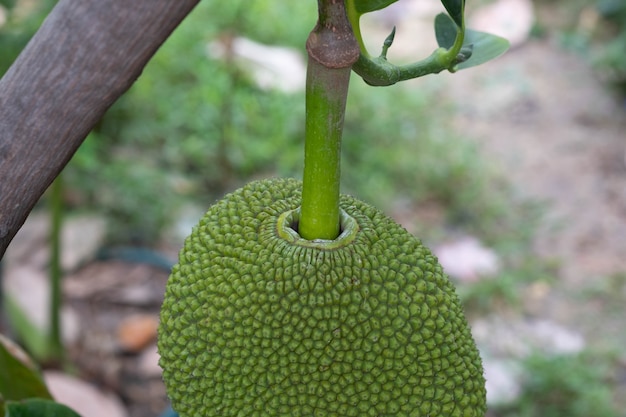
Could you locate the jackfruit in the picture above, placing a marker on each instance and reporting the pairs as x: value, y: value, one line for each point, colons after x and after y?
x: 257, y: 321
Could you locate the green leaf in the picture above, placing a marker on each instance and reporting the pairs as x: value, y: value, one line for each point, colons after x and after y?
x: 366, y: 6
x: 465, y: 53
x: 446, y: 30
x: 485, y: 47
x: 36, y: 407
x: 34, y: 339
x: 455, y: 9
x: 19, y: 377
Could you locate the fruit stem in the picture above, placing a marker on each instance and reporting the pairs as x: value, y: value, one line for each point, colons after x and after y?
x: 332, y: 49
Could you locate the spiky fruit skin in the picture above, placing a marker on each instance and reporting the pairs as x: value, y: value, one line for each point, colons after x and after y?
x: 256, y: 325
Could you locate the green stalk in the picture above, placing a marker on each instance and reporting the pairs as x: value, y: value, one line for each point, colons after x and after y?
x: 325, y: 108
x: 332, y: 49
x: 55, y: 343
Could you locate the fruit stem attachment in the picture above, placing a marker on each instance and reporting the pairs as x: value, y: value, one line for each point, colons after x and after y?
x: 332, y: 49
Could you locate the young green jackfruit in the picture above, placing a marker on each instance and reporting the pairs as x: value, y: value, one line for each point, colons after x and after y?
x: 259, y: 322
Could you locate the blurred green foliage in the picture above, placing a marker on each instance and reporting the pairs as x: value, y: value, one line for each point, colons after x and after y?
x: 398, y: 140
x: 21, y: 24
x: 594, y: 29
x: 612, y: 58
x: 193, y: 128
x: 565, y: 385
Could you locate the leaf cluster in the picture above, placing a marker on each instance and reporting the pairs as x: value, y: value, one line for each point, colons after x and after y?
x: 23, y: 392
x: 459, y: 48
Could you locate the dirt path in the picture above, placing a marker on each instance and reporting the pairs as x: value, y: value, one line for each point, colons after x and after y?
x: 542, y: 116
x: 560, y: 138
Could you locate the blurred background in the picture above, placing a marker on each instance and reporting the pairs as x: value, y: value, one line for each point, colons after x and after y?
x: 513, y: 172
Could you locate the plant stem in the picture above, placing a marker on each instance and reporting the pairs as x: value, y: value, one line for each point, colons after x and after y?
x: 319, y: 218
x: 332, y: 49
x: 55, y: 343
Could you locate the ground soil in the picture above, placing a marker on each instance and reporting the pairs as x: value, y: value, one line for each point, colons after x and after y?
x: 558, y: 134
x: 556, y: 130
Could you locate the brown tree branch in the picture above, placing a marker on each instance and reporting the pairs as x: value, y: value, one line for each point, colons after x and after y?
x: 84, y: 57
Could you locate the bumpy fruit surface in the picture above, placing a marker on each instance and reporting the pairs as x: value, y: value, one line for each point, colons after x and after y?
x: 258, y: 322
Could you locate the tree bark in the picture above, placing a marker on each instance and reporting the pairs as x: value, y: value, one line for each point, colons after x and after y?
x: 84, y: 57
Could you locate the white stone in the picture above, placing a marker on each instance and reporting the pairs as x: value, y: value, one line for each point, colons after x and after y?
x: 83, y: 397
x: 29, y: 246
x: 149, y: 362
x: 29, y: 289
x: 505, y: 342
x: 519, y: 338
x: 555, y: 338
x: 510, y: 19
x: 81, y: 237
x: 466, y: 259
x: 503, y: 381
x: 272, y: 67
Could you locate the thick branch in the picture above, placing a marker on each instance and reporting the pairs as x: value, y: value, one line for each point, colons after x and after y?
x: 84, y: 57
